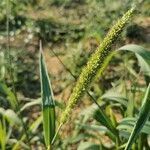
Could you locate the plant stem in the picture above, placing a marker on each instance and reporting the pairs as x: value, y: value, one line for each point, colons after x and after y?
x: 58, y: 129
x: 88, y: 93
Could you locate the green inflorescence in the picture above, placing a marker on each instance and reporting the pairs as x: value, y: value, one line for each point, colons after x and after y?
x: 96, y: 63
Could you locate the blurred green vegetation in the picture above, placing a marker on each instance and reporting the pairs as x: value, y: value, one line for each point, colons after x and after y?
x: 70, y: 30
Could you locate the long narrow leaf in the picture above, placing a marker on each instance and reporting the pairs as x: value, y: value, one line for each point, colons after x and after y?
x: 143, y: 116
x: 3, y: 138
x: 142, y: 54
x: 4, y: 89
x: 127, y: 125
x: 116, y: 97
x: 104, y: 120
x: 48, y: 103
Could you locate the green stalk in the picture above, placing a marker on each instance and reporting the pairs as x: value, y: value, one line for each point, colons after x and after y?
x: 104, y: 119
x: 96, y: 64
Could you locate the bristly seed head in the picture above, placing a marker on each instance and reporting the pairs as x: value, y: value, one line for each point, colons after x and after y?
x: 95, y: 63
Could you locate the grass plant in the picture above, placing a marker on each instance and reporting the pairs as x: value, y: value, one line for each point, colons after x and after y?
x: 122, y: 98
x: 95, y: 64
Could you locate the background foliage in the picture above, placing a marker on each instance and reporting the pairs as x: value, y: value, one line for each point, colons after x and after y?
x: 70, y: 31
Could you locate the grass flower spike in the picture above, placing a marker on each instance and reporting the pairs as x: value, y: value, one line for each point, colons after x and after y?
x: 96, y: 63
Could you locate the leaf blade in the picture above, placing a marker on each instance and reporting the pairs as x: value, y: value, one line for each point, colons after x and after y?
x: 142, y: 54
x: 48, y: 104
x: 143, y: 116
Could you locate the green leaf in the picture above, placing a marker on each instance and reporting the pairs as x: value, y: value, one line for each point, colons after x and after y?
x: 48, y: 104
x: 127, y: 125
x: 3, y: 134
x: 143, y: 117
x: 30, y: 104
x: 10, y: 116
x: 100, y: 116
x: 10, y: 95
x: 97, y: 128
x: 97, y: 113
x: 116, y: 97
x: 104, y: 120
x: 33, y: 127
x: 88, y: 146
x: 143, y: 56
